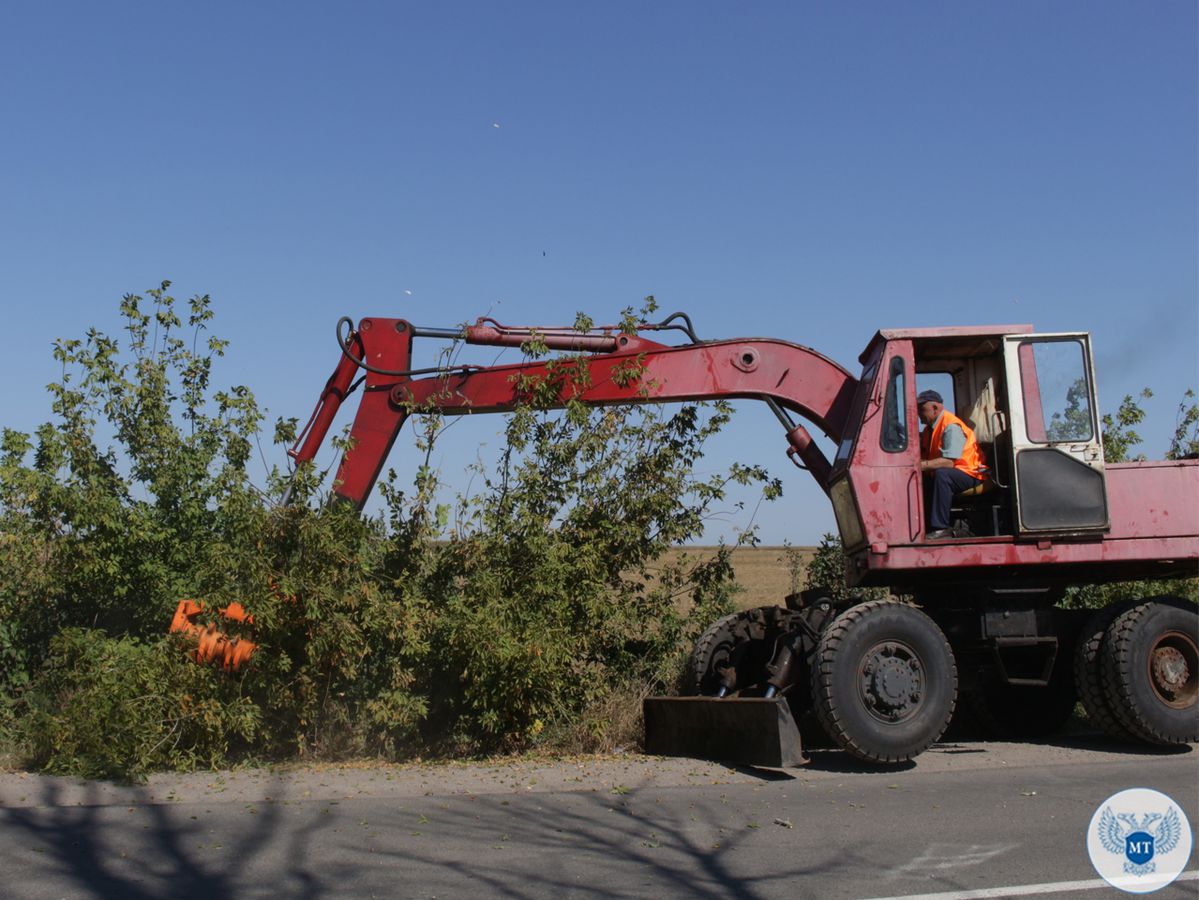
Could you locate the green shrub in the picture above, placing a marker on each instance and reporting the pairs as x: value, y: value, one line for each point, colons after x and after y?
x: 104, y: 707
x: 826, y: 570
x: 549, y: 608
x: 524, y: 623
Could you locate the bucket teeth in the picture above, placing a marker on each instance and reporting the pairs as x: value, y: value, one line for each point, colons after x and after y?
x: 213, y: 645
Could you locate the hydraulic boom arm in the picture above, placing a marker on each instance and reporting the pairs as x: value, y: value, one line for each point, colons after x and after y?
x: 612, y: 367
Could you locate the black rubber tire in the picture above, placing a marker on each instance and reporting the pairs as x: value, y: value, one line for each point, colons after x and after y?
x: 711, y: 649
x: 847, y: 681
x: 1088, y: 674
x: 1147, y: 645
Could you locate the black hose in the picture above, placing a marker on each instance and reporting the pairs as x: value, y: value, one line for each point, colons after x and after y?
x: 344, y: 344
x: 687, y: 328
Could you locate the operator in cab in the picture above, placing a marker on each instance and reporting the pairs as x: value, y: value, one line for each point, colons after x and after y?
x: 950, y: 460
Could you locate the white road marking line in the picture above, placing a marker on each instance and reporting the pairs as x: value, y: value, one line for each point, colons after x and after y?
x: 951, y: 856
x: 1027, y: 890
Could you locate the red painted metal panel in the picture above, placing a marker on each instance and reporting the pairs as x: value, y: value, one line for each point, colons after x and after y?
x: 799, y: 378
x: 888, y: 499
x: 955, y: 331
x: 971, y: 331
x: 640, y: 371
x: 1155, y: 529
x: 883, y: 499
x: 999, y: 560
x: 387, y: 346
x: 1153, y: 499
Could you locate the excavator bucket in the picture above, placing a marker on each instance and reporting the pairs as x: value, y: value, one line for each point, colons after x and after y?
x: 748, y: 731
x: 213, y: 645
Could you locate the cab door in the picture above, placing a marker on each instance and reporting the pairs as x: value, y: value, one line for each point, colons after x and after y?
x: 1057, y: 449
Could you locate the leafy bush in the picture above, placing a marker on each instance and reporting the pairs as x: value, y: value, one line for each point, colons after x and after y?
x: 104, y: 707
x: 527, y: 622
x: 549, y: 608
x: 826, y: 570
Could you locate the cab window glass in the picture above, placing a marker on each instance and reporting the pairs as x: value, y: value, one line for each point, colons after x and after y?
x: 895, y: 421
x: 845, y: 450
x: 1057, y: 397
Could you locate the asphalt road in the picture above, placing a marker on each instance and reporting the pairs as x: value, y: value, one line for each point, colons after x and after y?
x: 964, y: 817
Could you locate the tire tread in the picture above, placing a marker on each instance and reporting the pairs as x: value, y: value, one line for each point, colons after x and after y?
x: 700, y: 656
x: 1119, y: 671
x: 1088, y: 676
x: 827, y: 709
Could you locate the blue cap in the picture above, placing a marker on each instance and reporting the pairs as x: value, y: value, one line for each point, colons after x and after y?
x: 929, y: 397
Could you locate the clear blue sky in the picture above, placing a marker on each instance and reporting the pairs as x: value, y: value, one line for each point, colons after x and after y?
x: 811, y: 171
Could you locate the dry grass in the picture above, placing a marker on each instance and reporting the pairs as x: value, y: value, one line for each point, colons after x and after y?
x: 613, y: 725
x: 764, y: 574
x: 9, y: 761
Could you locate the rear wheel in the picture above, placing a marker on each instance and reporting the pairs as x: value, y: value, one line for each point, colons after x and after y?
x: 1150, y: 670
x: 884, y: 681
x: 1088, y: 672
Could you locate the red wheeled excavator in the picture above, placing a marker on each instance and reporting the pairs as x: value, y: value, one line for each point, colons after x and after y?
x: 980, y: 616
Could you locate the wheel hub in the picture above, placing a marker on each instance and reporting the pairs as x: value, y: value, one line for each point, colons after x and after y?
x: 1173, y: 665
x: 1169, y: 668
x: 892, y: 681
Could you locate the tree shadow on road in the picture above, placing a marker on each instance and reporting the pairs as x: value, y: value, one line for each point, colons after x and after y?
x: 580, y: 844
x: 148, y: 849
x: 638, y: 847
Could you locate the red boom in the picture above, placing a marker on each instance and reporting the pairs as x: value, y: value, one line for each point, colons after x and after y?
x: 624, y: 368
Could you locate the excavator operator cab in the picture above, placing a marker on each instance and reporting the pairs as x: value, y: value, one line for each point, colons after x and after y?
x: 1030, y: 401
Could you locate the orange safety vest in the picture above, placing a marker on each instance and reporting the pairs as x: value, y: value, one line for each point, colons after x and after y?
x: 972, y: 460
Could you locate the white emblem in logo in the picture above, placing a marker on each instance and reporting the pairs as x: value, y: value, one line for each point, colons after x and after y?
x: 1139, y: 840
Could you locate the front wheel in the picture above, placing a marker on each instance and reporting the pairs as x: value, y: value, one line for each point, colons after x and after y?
x: 884, y: 682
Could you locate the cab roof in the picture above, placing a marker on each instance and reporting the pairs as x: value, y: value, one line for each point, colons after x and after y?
x: 953, y: 340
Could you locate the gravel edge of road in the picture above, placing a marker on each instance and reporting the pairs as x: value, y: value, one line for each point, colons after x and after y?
x: 615, y: 774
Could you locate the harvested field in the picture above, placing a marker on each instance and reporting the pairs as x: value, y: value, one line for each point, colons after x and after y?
x: 764, y: 573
